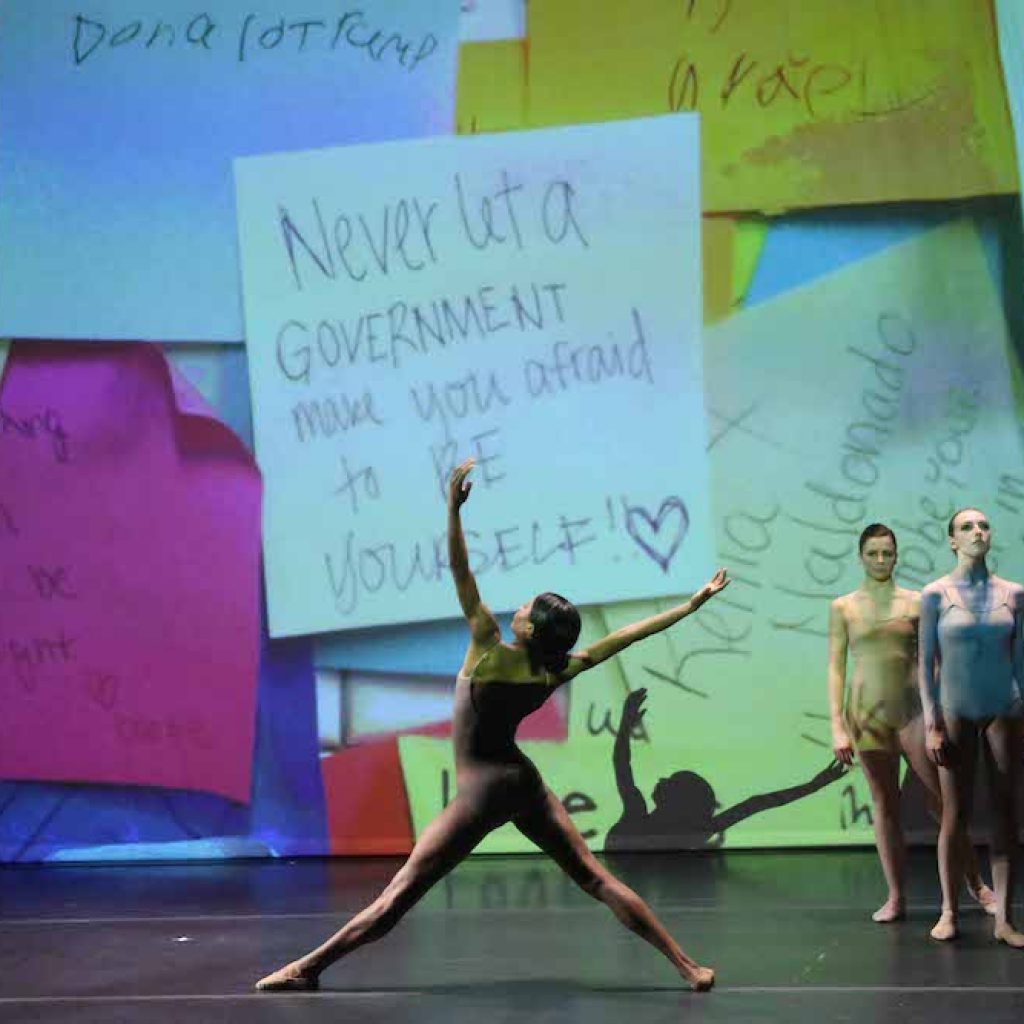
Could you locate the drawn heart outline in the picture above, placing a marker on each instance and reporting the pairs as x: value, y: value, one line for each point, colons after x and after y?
x: 662, y: 553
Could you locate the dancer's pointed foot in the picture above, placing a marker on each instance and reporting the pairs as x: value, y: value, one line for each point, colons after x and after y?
x: 290, y: 978
x: 893, y: 909
x: 1005, y: 932
x: 945, y: 928
x: 984, y: 897
x: 700, y: 979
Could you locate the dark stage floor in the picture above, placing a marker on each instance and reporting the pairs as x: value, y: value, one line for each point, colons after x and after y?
x: 505, y: 939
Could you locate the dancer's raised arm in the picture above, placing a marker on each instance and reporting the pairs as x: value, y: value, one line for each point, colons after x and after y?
x: 482, y: 624
x: 613, y: 643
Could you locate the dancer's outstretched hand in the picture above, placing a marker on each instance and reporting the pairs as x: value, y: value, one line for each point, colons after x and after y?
x: 459, y: 486
x: 715, y: 585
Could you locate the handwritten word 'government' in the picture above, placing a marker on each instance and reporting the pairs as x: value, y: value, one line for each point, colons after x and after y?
x: 404, y: 329
x: 350, y: 31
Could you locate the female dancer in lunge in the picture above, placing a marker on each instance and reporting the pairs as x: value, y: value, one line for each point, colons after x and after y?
x: 498, y: 686
x: 972, y: 670
x: 881, y: 716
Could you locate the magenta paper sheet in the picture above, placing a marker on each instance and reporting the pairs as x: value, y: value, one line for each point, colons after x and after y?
x: 129, y: 575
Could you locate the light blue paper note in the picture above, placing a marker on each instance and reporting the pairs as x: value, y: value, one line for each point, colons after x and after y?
x: 802, y: 247
x: 531, y: 299
x: 120, y: 122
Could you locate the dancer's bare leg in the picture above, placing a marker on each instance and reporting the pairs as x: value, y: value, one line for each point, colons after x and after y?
x: 550, y: 827
x: 881, y: 769
x: 1002, y: 748
x: 912, y: 741
x: 956, y: 782
x: 448, y: 839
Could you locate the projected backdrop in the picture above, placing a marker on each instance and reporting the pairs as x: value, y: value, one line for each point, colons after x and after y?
x: 715, y: 285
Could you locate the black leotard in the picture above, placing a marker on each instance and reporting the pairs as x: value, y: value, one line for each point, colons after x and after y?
x: 490, y: 769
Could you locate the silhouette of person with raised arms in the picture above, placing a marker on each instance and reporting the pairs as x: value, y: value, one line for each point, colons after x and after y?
x: 498, y: 685
x: 686, y: 813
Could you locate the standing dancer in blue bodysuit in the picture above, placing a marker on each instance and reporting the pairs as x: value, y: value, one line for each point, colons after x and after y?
x: 971, y: 670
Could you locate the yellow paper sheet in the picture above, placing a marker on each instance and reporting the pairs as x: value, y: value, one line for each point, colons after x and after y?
x: 718, y: 246
x: 804, y: 102
x: 491, y: 87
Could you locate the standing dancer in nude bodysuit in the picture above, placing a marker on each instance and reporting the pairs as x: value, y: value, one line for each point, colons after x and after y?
x: 498, y: 686
x: 972, y: 669
x: 881, y: 718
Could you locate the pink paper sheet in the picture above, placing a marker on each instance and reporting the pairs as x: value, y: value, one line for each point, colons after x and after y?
x: 129, y: 575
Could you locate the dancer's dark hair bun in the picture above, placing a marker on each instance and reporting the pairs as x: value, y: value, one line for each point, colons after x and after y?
x: 556, y: 627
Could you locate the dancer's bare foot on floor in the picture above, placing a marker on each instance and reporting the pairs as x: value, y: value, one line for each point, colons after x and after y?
x: 945, y: 928
x: 700, y: 979
x: 892, y: 909
x: 984, y: 897
x: 1007, y: 933
x: 290, y: 978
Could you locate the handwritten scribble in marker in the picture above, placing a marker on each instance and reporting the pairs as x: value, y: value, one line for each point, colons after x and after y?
x: 674, y: 682
x: 814, y: 740
x: 7, y: 524
x: 103, y: 688
x: 738, y: 423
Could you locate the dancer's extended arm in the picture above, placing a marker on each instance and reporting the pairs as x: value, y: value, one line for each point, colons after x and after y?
x: 613, y: 643
x: 482, y: 624
x: 838, y: 643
